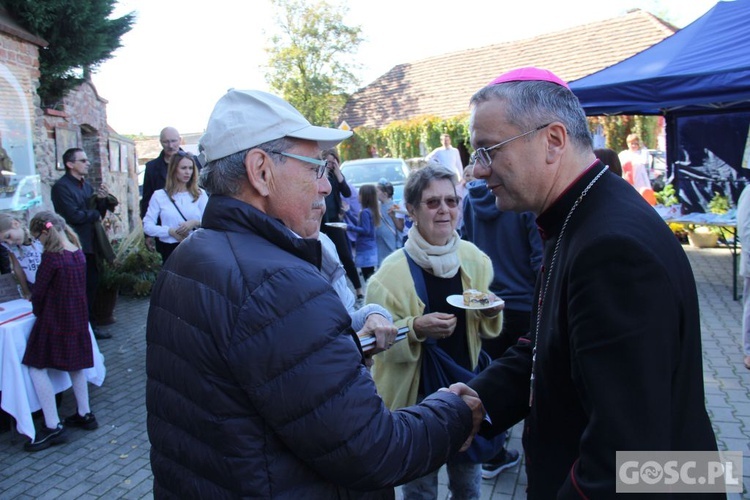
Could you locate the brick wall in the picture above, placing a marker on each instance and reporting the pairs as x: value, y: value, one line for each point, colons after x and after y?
x: 82, y: 122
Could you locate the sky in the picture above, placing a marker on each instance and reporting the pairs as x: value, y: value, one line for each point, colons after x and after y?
x: 182, y: 55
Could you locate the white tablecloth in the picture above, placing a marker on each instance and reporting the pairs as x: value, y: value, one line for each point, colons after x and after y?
x: 18, y: 394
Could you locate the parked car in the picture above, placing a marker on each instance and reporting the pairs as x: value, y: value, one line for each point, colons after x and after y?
x: 371, y: 170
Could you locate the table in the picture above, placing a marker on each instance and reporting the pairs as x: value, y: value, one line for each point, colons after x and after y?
x: 726, y: 221
x: 18, y: 394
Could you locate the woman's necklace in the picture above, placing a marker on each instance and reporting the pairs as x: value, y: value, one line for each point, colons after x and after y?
x: 549, y: 276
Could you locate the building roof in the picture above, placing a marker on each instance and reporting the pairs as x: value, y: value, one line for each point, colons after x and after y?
x: 442, y: 85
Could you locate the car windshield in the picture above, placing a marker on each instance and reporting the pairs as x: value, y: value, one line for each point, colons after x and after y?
x: 371, y: 173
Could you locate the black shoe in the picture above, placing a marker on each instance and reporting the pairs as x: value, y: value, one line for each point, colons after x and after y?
x: 87, y: 422
x: 99, y: 335
x: 46, y: 438
x: 500, y: 463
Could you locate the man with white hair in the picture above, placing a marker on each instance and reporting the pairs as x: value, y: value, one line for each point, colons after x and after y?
x: 257, y: 385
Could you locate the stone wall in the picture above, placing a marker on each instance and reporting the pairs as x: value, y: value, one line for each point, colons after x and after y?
x: 113, y: 160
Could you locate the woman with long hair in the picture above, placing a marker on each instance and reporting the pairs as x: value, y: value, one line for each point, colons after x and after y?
x: 175, y: 211
x: 366, y: 255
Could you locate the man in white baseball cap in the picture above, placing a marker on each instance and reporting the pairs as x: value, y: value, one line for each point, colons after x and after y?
x: 256, y: 381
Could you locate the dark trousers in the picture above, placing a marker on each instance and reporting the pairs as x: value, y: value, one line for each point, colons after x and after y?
x: 165, y: 249
x: 515, y: 324
x: 338, y: 236
x: 92, y: 281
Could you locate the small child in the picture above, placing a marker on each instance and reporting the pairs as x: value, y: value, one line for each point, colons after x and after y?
x: 25, y: 252
x: 366, y: 257
x: 60, y: 336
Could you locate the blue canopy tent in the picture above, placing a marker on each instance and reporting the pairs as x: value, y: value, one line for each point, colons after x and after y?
x: 699, y: 79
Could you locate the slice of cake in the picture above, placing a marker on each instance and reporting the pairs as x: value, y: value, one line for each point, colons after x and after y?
x: 473, y: 298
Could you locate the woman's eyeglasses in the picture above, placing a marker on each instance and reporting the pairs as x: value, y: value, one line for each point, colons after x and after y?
x: 434, y: 203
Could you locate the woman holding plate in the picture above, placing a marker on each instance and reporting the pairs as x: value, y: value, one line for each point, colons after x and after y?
x: 414, y: 285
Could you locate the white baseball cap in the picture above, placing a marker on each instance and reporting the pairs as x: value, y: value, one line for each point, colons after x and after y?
x: 243, y: 119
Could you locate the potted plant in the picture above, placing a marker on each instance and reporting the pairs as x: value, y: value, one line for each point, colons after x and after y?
x: 708, y: 236
x: 133, y: 272
x: 702, y: 237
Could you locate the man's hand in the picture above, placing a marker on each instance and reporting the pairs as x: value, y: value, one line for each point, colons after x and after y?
x: 471, y: 398
x: 383, y: 330
x: 150, y: 243
x: 103, y: 191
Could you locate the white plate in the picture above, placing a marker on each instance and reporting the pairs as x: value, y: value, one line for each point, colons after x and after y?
x: 340, y: 225
x: 458, y: 301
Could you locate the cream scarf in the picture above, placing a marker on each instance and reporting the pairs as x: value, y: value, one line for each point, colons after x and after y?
x: 442, y: 261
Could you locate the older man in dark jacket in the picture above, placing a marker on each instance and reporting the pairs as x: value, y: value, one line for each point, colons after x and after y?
x: 256, y: 382
x: 613, y: 360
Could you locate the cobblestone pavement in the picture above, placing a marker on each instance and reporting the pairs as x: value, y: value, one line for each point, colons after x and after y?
x: 113, y: 461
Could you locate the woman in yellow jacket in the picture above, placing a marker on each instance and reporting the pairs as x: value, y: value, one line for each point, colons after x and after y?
x: 448, y: 266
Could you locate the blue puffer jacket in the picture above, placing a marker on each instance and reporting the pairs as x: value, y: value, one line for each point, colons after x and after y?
x: 256, y: 387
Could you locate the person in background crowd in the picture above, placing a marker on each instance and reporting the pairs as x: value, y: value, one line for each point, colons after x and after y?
x: 514, y: 246
x: 368, y: 320
x: 254, y: 363
x: 83, y: 209
x: 24, y: 252
x: 175, y: 211
x: 334, y: 214
x: 366, y: 251
x: 448, y: 156
x: 743, y: 233
x: 60, y: 337
x: 372, y: 150
x: 634, y: 161
x: 155, y: 176
x: 351, y: 207
x: 388, y: 235
x: 414, y: 285
x: 609, y: 157
x: 613, y: 358
x: 462, y: 191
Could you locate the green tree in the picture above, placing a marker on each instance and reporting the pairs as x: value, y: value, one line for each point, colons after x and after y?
x: 80, y: 35
x: 308, y: 61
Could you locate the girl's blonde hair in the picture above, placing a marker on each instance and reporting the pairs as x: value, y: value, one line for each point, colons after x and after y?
x: 6, y: 223
x: 192, y: 185
x: 55, y: 227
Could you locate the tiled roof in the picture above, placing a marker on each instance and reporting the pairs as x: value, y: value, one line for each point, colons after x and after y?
x: 443, y: 85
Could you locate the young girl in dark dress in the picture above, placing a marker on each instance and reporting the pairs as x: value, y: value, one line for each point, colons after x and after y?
x: 60, y: 337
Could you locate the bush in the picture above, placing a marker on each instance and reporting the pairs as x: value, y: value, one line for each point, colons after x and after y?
x: 135, y: 268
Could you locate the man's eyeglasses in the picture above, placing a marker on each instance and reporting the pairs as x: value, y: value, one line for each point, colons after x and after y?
x: 434, y: 203
x: 322, y: 165
x: 84, y: 160
x: 482, y: 155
